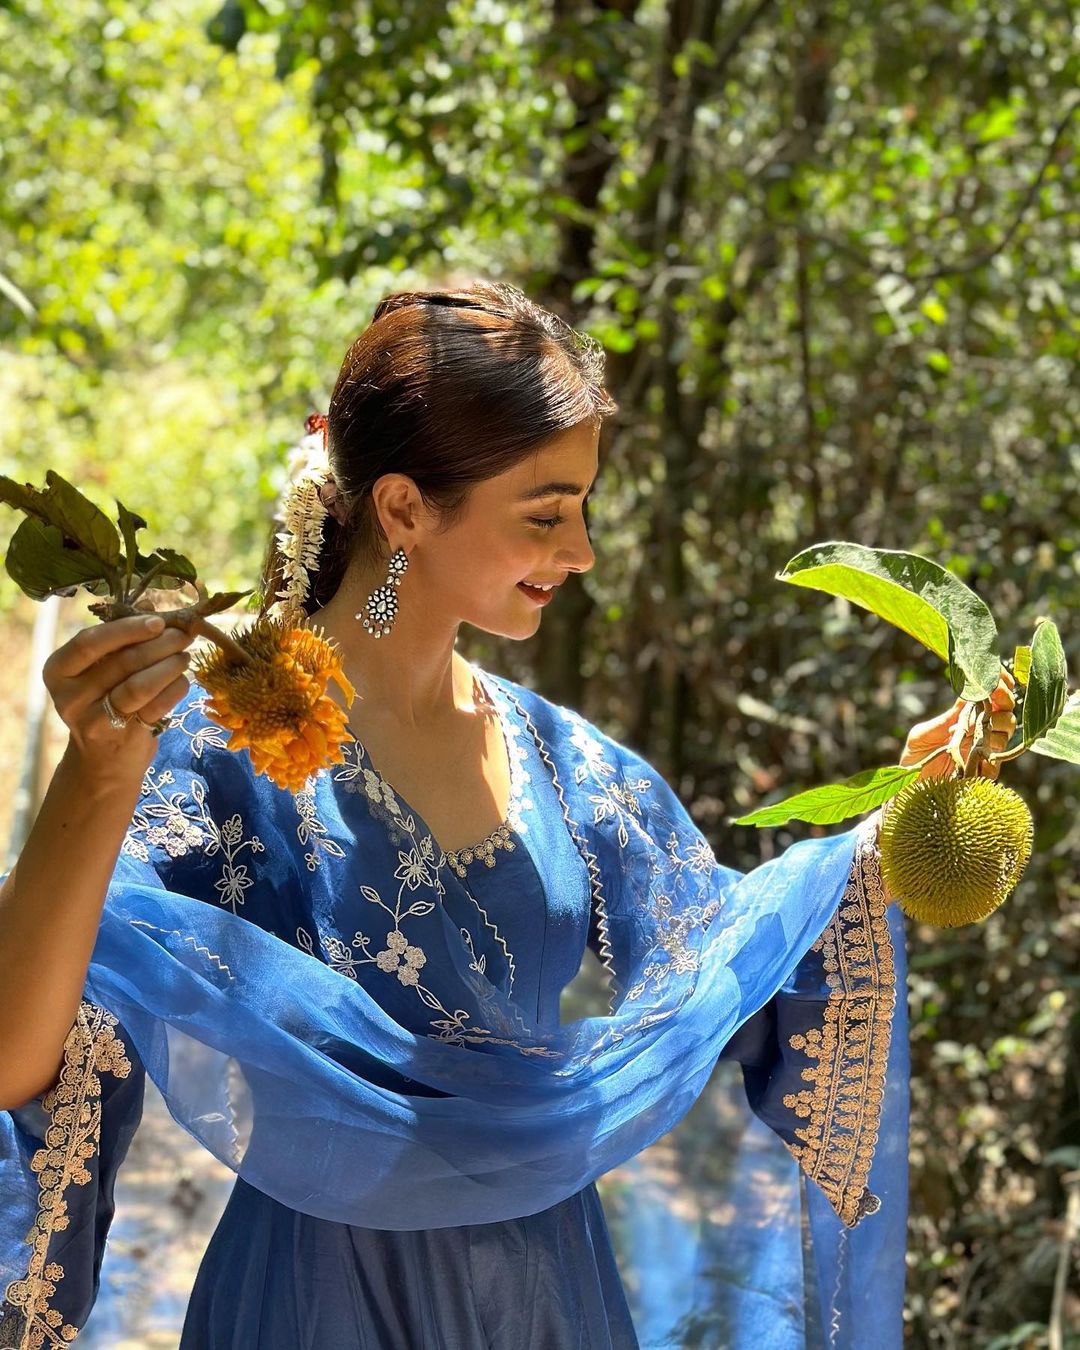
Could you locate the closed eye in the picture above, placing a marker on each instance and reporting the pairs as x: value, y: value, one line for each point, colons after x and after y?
x: 549, y: 522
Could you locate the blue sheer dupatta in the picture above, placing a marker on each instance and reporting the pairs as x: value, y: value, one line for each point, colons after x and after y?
x: 428, y: 1100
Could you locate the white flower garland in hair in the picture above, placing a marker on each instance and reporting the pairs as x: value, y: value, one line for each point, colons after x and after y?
x: 301, y: 513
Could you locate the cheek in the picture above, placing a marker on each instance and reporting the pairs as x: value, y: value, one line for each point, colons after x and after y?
x: 495, y: 558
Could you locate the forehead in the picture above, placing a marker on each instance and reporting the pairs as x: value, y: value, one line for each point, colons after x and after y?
x: 567, y: 464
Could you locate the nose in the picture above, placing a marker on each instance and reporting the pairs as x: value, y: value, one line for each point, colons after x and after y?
x: 579, y: 558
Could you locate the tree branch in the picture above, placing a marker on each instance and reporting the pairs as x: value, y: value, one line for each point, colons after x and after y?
x: 960, y: 268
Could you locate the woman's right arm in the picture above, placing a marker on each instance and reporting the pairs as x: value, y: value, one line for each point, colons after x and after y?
x: 51, y: 903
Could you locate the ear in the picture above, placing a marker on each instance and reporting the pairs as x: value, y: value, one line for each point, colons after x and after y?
x: 399, y: 506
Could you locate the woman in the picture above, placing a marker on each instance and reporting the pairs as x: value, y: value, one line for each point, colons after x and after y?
x: 352, y: 996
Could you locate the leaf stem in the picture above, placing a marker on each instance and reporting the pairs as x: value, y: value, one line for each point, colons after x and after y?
x: 145, y: 581
x: 195, y: 623
x: 188, y: 618
x: 980, y: 740
x: 1003, y: 756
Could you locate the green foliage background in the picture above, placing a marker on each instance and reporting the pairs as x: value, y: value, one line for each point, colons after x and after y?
x: 834, y: 252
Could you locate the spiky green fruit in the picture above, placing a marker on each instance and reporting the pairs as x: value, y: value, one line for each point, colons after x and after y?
x: 952, y: 849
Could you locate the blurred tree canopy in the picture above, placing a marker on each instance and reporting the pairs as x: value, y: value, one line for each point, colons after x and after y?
x: 833, y: 250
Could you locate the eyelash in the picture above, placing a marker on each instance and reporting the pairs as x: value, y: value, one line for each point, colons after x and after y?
x: 549, y: 522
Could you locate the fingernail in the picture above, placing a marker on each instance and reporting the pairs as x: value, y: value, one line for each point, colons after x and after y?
x: 154, y: 624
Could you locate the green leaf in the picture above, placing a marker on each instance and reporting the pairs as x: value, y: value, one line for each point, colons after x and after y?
x: 953, y: 670
x: 83, y: 524
x: 837, y: 801
x: 701, y: 51
x: 41, y: 564
x: 1047, y: 683
x: 130, y: 523
x: 997, y: 124
x: 1062, y: 741
x: 1021, y: 664
x: 177, y: 565
x: 914, y: 594
x: 216, y: 604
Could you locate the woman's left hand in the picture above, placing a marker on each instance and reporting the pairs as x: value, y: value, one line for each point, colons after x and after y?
x: 956, y: 727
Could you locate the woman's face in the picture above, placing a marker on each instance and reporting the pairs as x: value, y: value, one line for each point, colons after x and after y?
x: 526, y: 525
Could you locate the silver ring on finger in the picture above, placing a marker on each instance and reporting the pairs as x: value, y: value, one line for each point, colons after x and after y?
x: 116, y: 720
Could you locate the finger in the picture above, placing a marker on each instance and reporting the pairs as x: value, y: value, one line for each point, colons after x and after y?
x: 164, y: 702
x: 937, y: 765
x: 134, y: 693
x: 117, y: 666
x: 935, y: 728
x: 940, y: 729
x: 91, y: 644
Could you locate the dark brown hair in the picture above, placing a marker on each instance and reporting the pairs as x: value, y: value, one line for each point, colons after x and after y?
x: 449, y: 387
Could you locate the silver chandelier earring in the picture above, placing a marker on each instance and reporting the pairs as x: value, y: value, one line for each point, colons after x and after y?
x: 382, y: 603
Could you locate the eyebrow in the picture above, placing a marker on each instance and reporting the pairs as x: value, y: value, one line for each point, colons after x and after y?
x: 549, y: 490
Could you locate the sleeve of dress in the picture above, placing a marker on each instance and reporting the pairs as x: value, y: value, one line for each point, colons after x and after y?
x: 59, y: 1156
x: 61, y: 1152
x: 825, y: 1065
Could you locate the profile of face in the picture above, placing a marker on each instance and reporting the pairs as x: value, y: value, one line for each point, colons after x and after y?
x: 524, y: 525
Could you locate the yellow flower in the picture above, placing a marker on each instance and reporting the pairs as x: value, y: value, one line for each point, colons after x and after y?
x: 275, y: 703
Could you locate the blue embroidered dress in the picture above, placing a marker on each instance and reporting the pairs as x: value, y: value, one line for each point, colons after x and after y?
x: 365, y: 1026
x: 544, y: 1280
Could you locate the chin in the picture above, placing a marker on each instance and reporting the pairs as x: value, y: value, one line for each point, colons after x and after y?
x: 519, y: 631
x: 522, y: 633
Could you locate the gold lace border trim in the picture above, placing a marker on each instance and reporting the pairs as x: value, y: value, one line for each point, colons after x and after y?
x: 848, y: 1051
x: 72, y: 1138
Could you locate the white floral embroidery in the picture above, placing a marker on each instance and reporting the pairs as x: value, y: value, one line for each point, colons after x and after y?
x: 180, y: 822
x: 174, y: 830
x: 418, y: 874
x: 674, y: 940
x: 401, y: 959
x: 614, y: 801
x: 620, y: 801
x: 356, y: 777
x: 414, y: 870
x: 477, y: 964
x: 312, y: 830
x: 453, y: 1028
x: 228, y: 840
x: 338, y: 956
x: 210, y: 734
x: 699, y: 856
x: 484, y: 851
x: 384, y: 804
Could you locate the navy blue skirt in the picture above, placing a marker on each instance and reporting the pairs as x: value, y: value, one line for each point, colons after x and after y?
x: 275, y: 1279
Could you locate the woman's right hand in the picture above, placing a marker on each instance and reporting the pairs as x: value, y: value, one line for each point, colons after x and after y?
x: 141, y: 668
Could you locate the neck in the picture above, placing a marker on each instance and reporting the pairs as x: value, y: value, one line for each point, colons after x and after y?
x: 413, y: 676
